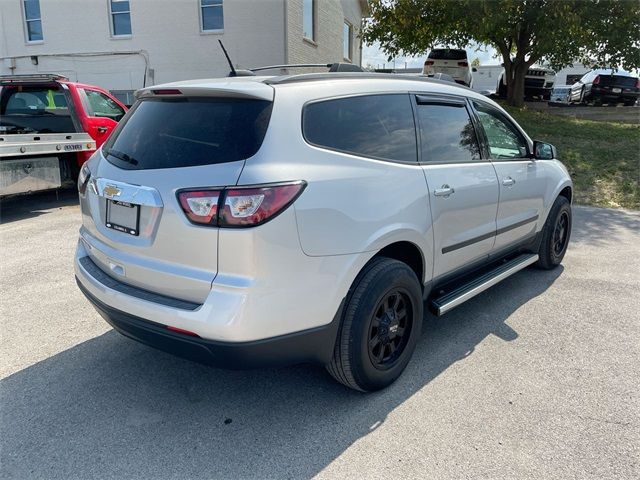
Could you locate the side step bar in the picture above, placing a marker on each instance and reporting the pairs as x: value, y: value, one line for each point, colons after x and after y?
x: 450, y: 300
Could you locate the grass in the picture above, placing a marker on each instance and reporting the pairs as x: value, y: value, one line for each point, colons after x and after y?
x: 603, y: 158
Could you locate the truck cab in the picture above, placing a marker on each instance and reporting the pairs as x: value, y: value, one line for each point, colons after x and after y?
x: 50, y: 126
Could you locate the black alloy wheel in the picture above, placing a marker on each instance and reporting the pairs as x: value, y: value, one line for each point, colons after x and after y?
x: 560, y: 233
x: 390, y: 329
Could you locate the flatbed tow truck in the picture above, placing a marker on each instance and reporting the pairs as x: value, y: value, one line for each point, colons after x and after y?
x: 49, y: 127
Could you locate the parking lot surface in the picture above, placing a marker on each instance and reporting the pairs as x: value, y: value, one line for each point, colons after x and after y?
x: 536, y: 378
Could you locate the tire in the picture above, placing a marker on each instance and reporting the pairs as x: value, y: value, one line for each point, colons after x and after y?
x: 364, y: 358
x: 555, y: 237
x: 629, y: 103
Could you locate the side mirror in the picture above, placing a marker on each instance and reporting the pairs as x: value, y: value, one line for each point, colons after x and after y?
x: 543, y: 151
x: 474, y: 69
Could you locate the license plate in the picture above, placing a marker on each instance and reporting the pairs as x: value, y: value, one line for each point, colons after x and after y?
x: 616, y: 90
x: 123, y: 217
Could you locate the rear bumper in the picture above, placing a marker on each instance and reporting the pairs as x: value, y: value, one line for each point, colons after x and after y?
x: 606, y: 93
x: 309, y: 346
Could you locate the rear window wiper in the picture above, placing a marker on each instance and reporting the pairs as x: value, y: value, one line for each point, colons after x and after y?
x: 121, y: 156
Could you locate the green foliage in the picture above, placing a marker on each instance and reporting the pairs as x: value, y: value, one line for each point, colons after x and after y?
x: 522, y: 31
x: 603, y: 158
x: 558, y: 31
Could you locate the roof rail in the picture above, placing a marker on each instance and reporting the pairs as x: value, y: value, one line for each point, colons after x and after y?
x: 310, y: 77
x: 333, y: 67
x: 32, y: 77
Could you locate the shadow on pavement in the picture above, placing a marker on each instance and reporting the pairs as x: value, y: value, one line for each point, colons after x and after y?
x: 110, y: 407
x: 33, y: 205
x: 596, y: 225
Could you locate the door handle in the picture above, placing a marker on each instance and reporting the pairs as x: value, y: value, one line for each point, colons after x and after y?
x: 102, y: 129
x: 443, y: 191
x: 508, y: 182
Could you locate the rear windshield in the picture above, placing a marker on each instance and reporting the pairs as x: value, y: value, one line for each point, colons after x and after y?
x: 26, y: 109
x: 618, y: 80
x: 446, y: 54
x: 188, y: 132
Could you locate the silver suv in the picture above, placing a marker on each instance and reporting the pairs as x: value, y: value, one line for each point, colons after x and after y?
x: 258, y: 221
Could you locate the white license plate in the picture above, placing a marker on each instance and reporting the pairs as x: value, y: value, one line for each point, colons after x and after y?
x: 616, y: 90
x: 123, y: 217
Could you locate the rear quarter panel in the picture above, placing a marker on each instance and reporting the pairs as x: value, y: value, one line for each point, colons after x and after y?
x: 351, y: 204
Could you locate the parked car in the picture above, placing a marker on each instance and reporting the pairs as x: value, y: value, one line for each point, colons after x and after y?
x: 49, y: 127
x: 538, y: 82
x: 560, y: 95
x: 442, y: 76
x: 606, y: 86
x: 449, y: 61
x: 261, y: 221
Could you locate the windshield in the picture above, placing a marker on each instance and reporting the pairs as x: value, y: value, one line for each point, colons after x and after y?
x: 187, y: 132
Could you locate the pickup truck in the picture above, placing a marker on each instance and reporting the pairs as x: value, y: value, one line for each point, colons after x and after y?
x: 49, y: 127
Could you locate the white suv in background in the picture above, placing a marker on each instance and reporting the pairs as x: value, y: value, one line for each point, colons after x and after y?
x: 450, y: 61
x: 262, y: 221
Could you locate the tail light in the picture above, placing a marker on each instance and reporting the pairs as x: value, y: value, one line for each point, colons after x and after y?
x: 83, y: 178
x: 234, y: 207
x: 596, y: 80
x: 638, y: 83
x: 200, y: 206
x: 429, y: 62
x: 167, y: 91
x: 463, y: 64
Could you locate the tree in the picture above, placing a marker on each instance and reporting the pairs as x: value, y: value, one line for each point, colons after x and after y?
x: 522, y: 31
x: 475, y: 62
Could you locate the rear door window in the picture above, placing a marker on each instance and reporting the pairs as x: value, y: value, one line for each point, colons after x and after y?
x: 447, y: 133
x: 187, y: 132
x: 376, y: 126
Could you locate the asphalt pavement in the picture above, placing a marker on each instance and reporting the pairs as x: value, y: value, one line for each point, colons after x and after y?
x: 536, y: 378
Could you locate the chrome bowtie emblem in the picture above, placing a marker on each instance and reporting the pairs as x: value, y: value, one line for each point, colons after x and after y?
x: 111, y: 191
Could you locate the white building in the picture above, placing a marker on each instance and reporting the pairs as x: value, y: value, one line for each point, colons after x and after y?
x: 123, y: 45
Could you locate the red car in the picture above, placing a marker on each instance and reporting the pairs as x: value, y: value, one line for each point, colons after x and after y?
x: 48, y: 121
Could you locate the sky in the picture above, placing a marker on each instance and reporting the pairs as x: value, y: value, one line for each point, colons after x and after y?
x: 374, y: 56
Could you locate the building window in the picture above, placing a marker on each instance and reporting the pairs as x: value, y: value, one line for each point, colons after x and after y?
x: 120, y: 18
x: 211, y: 15
x: 32, y: 20
x: 346, y: 40
x: 309, y: 19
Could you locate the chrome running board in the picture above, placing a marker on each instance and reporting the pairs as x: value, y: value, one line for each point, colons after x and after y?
x: 450, y: 300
